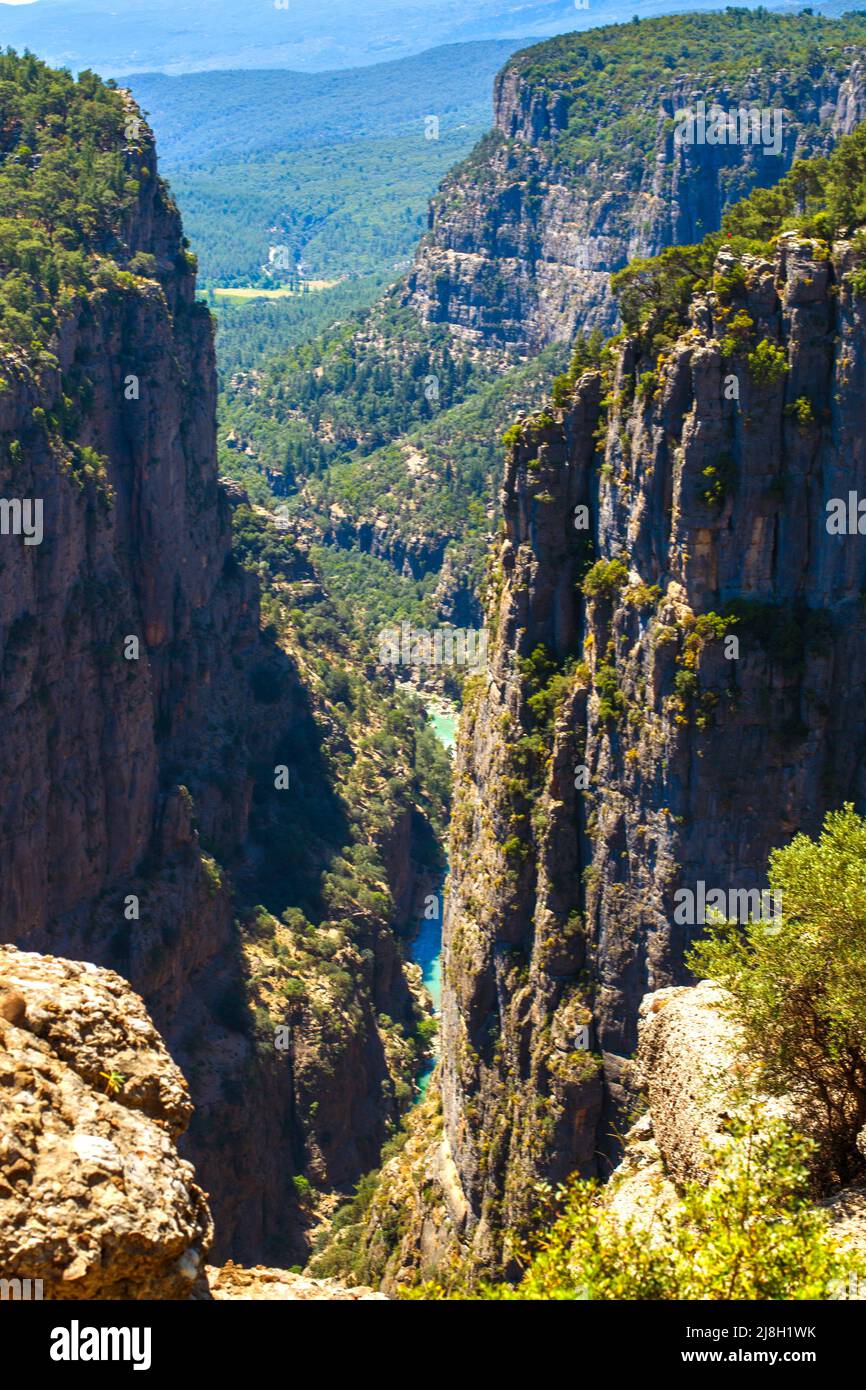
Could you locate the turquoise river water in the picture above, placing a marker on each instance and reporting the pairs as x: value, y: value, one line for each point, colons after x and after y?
x: 427, y: 943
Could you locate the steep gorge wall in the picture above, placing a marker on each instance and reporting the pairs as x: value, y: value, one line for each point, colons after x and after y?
x: 561, y: 911
x: 128, y: 783
x: 525, y: 234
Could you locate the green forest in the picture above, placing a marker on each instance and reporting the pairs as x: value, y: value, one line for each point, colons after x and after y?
x: 336, y: 167
x: 68, y: 171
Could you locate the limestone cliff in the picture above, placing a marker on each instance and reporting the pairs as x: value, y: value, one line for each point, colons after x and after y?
x: 146, y: 711
x: 619, y: 749
x: 583, y: 172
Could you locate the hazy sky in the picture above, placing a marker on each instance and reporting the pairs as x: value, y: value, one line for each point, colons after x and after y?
x: 175, y: 36
x: 117, y: 36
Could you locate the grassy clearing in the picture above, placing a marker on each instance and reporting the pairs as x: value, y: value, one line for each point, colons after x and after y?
x: 283, y: 292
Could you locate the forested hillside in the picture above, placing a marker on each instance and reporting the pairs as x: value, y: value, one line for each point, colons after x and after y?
x: 227, y: 116
x: 383, y: 439
x: 584, y: 168
x: 336, y: 167
x: 358, y: 429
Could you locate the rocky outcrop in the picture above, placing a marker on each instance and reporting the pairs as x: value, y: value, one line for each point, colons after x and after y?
x: 690, y: 1074
x: 570, y: 186
x: 233, y: 1284
x: 95, y: 1201
x: 694, y: 1078
x: 687, y: 1068
x: 847, y: 1213
x: 640, y: 1192
x: 601, y: 759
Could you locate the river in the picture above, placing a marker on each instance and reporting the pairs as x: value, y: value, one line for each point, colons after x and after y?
x: 427, y: 943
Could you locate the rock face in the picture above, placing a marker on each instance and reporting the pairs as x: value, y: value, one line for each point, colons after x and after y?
x: 562, y: 910
x: 144, y: 712
x: 525, y: 234
x: 689, y: 1068
x: 94, y: 1200
x: 686, y: 1063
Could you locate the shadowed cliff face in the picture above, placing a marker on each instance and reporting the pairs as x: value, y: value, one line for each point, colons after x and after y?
x: 105, y: 757
x: 144, y: 714
x: 710, y: 488
x: 525, y: 234
x: 139, y: 552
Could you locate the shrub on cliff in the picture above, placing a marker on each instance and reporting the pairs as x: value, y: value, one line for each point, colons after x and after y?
x: 767, y: 364
x: 749, y: 1234
x: 587, y: 355
x: 655, y: 293
x: 605, y: 579
x: 820, y: 198
x: 69, y: 173
x: 797, y: 987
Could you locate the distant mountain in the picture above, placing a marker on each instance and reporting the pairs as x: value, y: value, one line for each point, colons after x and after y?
x: 336, y: 167
x: 185, y: 36
x: 178, y: 36
x: 202, y: 118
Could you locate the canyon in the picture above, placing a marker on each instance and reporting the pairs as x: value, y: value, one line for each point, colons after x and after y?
x: 672, y: 494
x: 223, y: 814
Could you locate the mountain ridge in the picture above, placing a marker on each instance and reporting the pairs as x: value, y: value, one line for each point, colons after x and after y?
x: 572, y: 184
